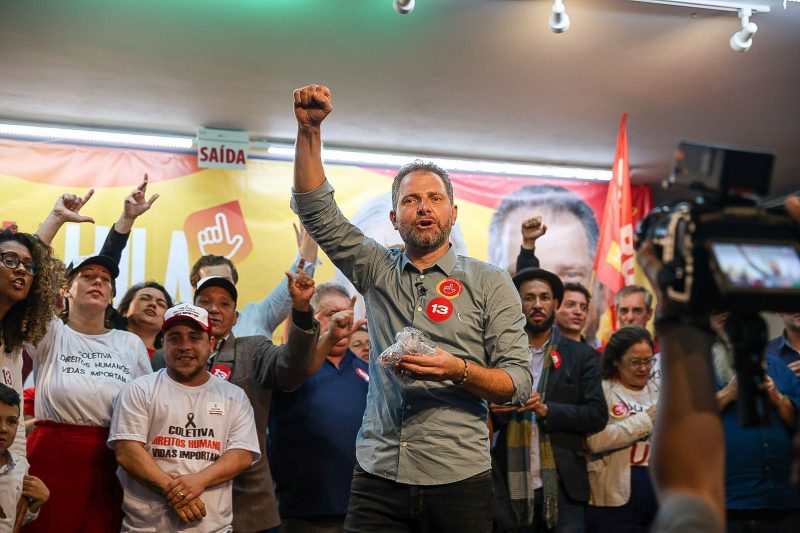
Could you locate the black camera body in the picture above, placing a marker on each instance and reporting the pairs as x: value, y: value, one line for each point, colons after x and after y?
x: 721, y: 250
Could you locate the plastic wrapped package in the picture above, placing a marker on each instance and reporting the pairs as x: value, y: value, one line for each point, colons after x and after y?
x: 406, y: 341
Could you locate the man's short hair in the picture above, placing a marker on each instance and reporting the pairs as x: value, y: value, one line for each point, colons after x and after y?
x: 633, y: 289
x: 208, y: 261
x: 418, y: 165
x: 577, y: 287
x: 8, y: 395
x: 327, y: 289
x: 553, y: 197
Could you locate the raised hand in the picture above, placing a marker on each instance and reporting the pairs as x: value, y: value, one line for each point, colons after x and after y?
x: 342, y: 325
x: 135, y: 203
x: 219, y: 238
x: 68, y: 207
x: 306, y: 244
x: 312, y: 104
x: 532, y: 229
x: 301, y: 287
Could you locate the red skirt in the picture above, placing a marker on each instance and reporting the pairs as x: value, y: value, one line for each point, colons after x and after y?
x: 78, y: 467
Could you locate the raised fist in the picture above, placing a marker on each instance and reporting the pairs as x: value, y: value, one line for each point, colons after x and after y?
x: 532, y: 229
x: 312, y: 104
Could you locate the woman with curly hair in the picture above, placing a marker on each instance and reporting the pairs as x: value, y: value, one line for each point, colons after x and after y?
x: 622, y: 498
x: 29, y: 282
x: 80, y: 365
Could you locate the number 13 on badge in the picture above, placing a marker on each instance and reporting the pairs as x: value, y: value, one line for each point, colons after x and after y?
x: 439, y: 309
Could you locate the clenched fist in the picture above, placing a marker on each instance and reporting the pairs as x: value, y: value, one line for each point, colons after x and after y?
x: 312, y: 104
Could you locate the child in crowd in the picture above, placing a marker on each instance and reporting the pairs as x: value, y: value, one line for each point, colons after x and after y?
x: 14, y: 479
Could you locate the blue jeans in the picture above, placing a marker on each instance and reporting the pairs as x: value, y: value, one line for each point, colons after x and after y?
x: 379, y: 505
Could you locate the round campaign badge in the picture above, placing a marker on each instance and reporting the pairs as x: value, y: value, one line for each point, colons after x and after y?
x: 362, y: 374
x: 450, y: 288
x: 620, y: 409
x: 440, y: 309
x: 221, y: 371
x: 556, y: 358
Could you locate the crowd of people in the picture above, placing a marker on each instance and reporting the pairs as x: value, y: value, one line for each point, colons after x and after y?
x: 164, y: 416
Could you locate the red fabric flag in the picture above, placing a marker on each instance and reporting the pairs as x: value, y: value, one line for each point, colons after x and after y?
x: 614, y: 261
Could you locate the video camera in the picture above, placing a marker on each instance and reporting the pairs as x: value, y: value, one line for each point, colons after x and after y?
x: 723, y: 251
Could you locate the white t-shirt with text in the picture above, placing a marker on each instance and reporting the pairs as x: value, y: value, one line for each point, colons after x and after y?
x: 78, y: 376
x: 185, y: 429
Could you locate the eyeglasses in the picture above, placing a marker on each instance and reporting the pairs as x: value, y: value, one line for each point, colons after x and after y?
x: 10, y: 260
x: 639, y: 363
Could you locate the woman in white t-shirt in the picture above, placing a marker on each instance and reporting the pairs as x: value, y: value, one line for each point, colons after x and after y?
x: 80, y: 366
x: 29, y: 282
x: 622, y: 497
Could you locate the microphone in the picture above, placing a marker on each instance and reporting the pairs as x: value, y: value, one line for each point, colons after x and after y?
x: 421, y: 290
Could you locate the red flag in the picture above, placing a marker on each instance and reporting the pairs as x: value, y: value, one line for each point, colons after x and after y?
x: 614, y: 261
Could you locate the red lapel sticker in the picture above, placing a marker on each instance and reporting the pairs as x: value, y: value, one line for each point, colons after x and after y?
x: 450, y: 288
x: 221, y: 371
x: 362, y: 374
x: 556, y: 358
x: 619, y: 409
x: 439, y: 309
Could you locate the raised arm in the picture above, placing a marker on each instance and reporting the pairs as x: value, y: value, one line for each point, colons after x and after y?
x: 532, y: 229
x: 312, y: 104
x: 263, y: 317
x: 134, y: 205
x: 687, y: 406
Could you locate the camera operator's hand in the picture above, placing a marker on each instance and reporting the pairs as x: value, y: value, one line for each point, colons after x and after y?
x: 728, y: 394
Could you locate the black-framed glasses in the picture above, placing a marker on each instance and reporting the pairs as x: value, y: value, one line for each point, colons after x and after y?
x: 12, y: 261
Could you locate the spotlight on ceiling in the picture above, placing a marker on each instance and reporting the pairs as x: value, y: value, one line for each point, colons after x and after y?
x: 559, y: 20
x: 742, y: 40
x: 404, y: 6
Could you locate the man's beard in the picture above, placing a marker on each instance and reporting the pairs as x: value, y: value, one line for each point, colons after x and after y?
x: 427, y: 240
x: 539, y: 328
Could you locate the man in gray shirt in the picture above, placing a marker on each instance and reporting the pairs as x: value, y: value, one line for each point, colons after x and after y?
x: 423, y: 450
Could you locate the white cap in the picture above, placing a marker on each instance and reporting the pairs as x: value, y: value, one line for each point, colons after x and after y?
x: 198, y: 315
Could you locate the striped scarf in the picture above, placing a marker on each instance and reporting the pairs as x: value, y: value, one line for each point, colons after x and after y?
x: 518, y: 444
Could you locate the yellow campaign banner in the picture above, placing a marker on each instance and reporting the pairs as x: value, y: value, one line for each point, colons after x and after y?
x: 245, y: 214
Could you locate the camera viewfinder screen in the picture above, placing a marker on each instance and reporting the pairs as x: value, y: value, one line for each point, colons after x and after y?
x: 758, y: 266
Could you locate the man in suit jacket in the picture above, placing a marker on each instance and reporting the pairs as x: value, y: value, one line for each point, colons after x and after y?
x: 544, y: 486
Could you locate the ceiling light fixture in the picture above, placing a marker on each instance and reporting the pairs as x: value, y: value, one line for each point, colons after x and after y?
x: 404, y: 7
x: 559, y: 20
x: 352, y: 157
x: 742, y: 40
x: 91, y: 136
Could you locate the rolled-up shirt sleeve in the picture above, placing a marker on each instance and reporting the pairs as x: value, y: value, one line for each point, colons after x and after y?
x: 505, y: 341
x: 356, y: 255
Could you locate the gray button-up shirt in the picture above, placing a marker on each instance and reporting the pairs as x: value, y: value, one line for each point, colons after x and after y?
x: 424, y: 433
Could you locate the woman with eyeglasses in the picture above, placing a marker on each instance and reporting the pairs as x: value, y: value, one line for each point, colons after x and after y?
x: 80, y: 365
x: 29, y: 282
x: 622, y: 497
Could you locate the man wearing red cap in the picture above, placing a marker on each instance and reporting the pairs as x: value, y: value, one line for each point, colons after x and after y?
x: 181, y: 435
